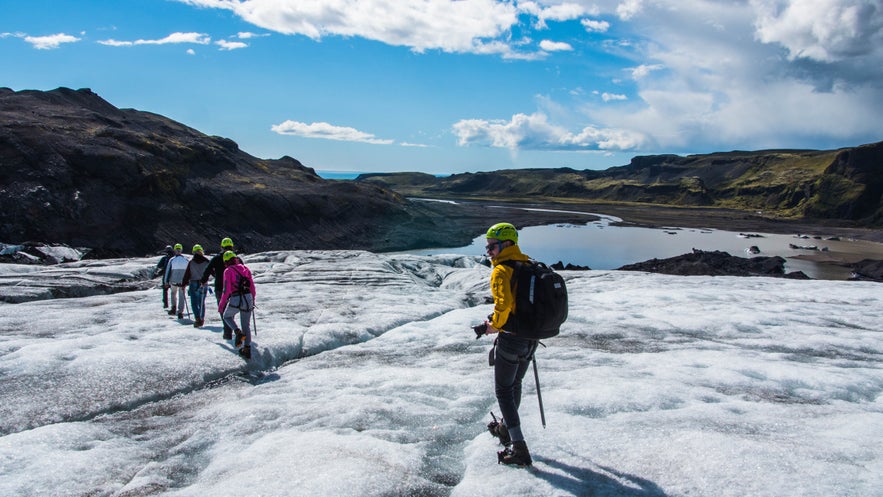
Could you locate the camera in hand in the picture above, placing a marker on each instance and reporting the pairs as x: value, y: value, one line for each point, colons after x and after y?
x: 480, y: 330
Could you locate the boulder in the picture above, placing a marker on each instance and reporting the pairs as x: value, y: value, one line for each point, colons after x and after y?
x: 715, y: 263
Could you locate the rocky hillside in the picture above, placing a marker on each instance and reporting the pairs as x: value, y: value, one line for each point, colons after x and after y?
x: 841, y: 184
x: 76, y: 170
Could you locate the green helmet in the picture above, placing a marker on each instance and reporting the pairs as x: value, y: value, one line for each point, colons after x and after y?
x: 178, y: 246
x: 226, y: 242
x: 197, y: 248
x: 503, y: 231
x: 228, y: 255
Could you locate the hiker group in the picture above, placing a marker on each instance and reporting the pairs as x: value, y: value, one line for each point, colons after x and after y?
x: 530, y: 304
x: 234, y: 289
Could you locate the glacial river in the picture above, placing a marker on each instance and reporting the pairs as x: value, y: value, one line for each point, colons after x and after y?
x: 600, y: 245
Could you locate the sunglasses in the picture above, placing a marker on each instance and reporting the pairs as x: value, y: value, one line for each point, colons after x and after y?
x: 490, y: 246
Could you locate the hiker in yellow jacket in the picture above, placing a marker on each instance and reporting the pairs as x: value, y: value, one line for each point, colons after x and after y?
x: 511, y: 355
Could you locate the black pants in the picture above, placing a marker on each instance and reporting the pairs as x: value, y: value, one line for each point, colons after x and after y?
x: 512, y: 356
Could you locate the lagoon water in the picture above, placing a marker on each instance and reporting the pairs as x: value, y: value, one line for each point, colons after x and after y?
x: 600, y: 245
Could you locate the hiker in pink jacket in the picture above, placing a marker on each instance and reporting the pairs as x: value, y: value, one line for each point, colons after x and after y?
x: 238, y: 297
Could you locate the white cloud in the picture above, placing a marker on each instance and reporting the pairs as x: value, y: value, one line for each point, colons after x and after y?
x: 328, y: 132
x: 561, y: 12
x: 191, y: 51
x: 822, y: 30
x: 230, y: 45
x: 555, y: 46
x: 247, y: 35
x: 628, y: 9
x: 115, y: 43
x: 613, y: 96
x: 534, y: 132
x: 463, y: 26
x: 593, y: 26
x: 644, y: 70
x: 51, y: 41
x: 197, y: 38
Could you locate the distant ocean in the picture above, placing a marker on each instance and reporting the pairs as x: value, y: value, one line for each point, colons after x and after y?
x: 352, y: 174
x: 338, y: 174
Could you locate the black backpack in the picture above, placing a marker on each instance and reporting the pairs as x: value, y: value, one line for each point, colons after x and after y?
x: 540, y: 300
x: 243, y: 286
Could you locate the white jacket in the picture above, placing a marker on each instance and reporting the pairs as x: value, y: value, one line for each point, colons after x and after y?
x: 175, y: 270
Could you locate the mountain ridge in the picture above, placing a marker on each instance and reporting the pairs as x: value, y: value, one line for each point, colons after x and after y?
x: 844, y: 184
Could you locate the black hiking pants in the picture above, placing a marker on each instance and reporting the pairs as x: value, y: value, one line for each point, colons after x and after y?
x: 512, y: 356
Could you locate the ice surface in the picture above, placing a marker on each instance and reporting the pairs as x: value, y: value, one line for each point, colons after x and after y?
x: 366, y: 380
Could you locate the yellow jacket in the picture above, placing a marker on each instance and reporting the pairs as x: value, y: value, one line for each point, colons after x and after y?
x: 501, y: 286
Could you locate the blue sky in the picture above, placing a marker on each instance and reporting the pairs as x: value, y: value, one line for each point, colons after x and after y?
x: 446, y: 86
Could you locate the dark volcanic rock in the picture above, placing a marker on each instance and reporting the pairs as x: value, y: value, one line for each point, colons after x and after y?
x: 76, y: 170
x: 715, y: 263
x: 559, y: 266
x: 868, y: 269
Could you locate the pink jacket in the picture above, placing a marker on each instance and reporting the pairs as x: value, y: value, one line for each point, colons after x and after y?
x: 231, y: 283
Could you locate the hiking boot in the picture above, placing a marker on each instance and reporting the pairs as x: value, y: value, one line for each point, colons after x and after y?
x: 500, y: 431
x: 245, y: 353
x: 180, y: 315
x: 172, y: 311
x: 227, y: 334
x: 517, y: 455
x: 239, y: 337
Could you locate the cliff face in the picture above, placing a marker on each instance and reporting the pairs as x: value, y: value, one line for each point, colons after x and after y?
x: 75, y: 169
x: 812, y: 184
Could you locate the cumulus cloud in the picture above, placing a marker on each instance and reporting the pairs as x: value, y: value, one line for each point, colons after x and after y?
x: 196, y: 38
x: 613, y: 96
x: 822, y: 30
x: 230, y: 45
x: 535, y: 132
x: 555, y: 46
x: 560, y: 12
x: 49, y: 42
x: 762, y: 73
x: 463, y: 26
x: 247, y: 35
x: 628, y: 9
x: 328, y: 132
x: 593, y: 26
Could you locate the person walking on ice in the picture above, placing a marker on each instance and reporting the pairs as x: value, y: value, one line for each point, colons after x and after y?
x: 511, y: 355
x: 174, y: 277
x: 195, y: 288
x: 238, y: 297
x: 160, y: 270
x: 216, y: 269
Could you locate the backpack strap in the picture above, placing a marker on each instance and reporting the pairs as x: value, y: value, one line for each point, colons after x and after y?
x: 516, y: 266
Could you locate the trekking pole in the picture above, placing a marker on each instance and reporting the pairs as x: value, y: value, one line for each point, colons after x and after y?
x: 536, y: 377
x: 186, y: 307
x: 254, y: 321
